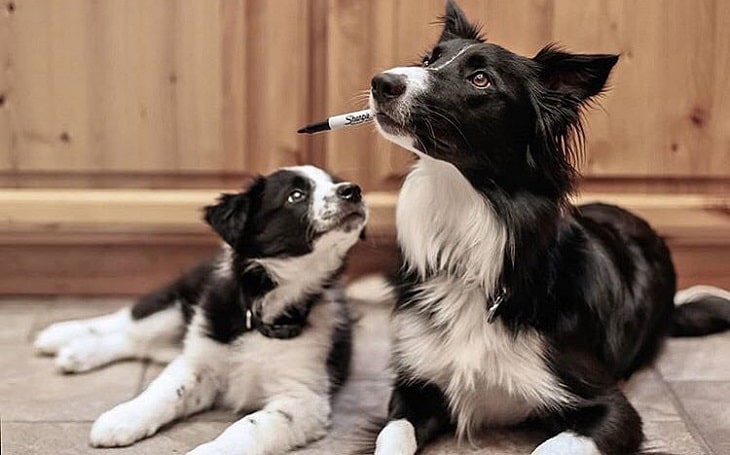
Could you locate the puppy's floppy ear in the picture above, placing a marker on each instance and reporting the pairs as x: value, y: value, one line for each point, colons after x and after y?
x: 229, y: 215
x: 580, y: 76
x: 456, y: 25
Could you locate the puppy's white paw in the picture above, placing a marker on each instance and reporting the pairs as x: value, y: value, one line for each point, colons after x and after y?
x: 397, y: 438
x: 120, y: 426
x: 76, y: 358
x: 567, y: 443
x: 210, y: 448
x: 55, y: 336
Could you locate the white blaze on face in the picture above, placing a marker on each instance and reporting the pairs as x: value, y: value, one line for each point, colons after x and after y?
x: 323, y: 190
x: 417, y: 82
x: 324, y: 202
x: 448, y: 61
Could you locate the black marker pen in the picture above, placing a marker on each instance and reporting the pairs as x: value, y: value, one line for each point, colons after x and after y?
x: 338, y: 121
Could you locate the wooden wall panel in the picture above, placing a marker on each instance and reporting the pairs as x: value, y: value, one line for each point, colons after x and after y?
x: 277, y: 96
x: 153, y: 87
x: 719, y: 114
x: 666, y: 117
x: 147, y: 91
x: 6, y: 135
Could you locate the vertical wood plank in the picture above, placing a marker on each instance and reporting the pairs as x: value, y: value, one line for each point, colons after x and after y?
x: 277, y: 72
x: 6, y: 95
x: 719, y: 115
x: 234, y: 82
x: 197, y: 92
x: 43, y: 64
x: 350, y: 37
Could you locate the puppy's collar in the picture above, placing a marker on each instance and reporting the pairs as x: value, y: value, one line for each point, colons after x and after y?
x: 289, y: 325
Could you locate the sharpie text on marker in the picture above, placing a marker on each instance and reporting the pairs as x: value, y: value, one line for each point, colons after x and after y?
x: 338, y: 121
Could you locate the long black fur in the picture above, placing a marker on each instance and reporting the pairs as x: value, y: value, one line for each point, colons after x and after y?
x: 595, y: 281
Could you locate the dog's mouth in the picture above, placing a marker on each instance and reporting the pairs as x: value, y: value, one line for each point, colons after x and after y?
x: 388, y: 123
x: 386, y: 119
x: 345, y: 219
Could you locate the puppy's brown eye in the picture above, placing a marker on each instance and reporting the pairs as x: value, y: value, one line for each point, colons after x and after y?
x: 479, y: 79
x: 296, y: 196
x: 426, y: 60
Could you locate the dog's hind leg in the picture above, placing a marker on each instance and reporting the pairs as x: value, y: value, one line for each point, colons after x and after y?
x: 155, y: 337
x: 286, y: 422
x: 55, y: 336
x: 606, y: 425
x: 150, y: 329
x: 181, y: 389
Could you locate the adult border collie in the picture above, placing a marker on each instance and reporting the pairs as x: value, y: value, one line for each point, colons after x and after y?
x: 265, y: 324
x: 512, y: 304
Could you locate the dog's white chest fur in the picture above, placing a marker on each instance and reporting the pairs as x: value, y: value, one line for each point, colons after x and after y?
x: 488, y: 376
x: 254, y: 368
x: 444, y: 224
x: 450, y: 235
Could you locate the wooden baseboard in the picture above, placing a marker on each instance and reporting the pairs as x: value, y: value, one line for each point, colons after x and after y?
x: 127, y: 242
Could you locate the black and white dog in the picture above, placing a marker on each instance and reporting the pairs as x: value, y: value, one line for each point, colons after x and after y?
x: 512, y: 304
x: 265, y: 325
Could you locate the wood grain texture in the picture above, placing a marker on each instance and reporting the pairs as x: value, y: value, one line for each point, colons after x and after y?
x: 687, y: 218
x: 153, y: 86
x: 7, y: 152
x: 666, y: 116
x: 148, y: 88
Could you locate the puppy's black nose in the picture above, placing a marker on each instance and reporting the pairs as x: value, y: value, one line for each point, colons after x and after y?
x: 388, y: 86
x: 349, y: 192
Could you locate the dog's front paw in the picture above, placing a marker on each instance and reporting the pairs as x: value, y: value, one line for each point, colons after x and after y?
x: 53, y: 337
x: 121, y: 426
x: 210, y: 448
x: 79, y: 356
x: 567, y: 443
x: 397, y: 438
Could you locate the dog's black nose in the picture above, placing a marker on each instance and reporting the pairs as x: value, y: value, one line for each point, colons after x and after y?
x: 349, y: 192
x: 387, y: 86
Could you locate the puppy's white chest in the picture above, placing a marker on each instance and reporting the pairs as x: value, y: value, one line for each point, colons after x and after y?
x: 489, y: 376
x: 259, y: 367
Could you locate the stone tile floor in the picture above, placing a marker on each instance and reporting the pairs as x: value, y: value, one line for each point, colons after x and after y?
x: 684, y: 400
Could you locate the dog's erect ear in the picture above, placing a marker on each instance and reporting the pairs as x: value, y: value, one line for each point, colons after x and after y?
x: 456, y: 25
x: 578, y: 75
x: 229, y: 215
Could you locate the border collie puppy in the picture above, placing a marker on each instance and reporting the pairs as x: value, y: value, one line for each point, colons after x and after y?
x: 513, y: 304
x: 265, y: 324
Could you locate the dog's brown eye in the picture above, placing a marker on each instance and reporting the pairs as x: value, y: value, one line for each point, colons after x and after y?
x: 479, y: 80
x: 426, y: 60
x: 296, y: 196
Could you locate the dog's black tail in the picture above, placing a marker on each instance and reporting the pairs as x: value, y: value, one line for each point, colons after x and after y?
x: 701, y: 310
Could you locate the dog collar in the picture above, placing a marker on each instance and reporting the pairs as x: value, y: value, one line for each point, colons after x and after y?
x: 289, y: 325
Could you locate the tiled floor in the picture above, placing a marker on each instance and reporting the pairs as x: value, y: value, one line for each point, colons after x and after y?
x: 685, y: 400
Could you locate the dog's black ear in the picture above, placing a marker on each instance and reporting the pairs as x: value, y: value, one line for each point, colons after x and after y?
x: 579, y: 75
x: 456, y: 25
x: 229, y: 215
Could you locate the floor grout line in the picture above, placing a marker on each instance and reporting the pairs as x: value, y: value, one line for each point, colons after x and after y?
x: 35, y: 324
x: 686, y: 418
